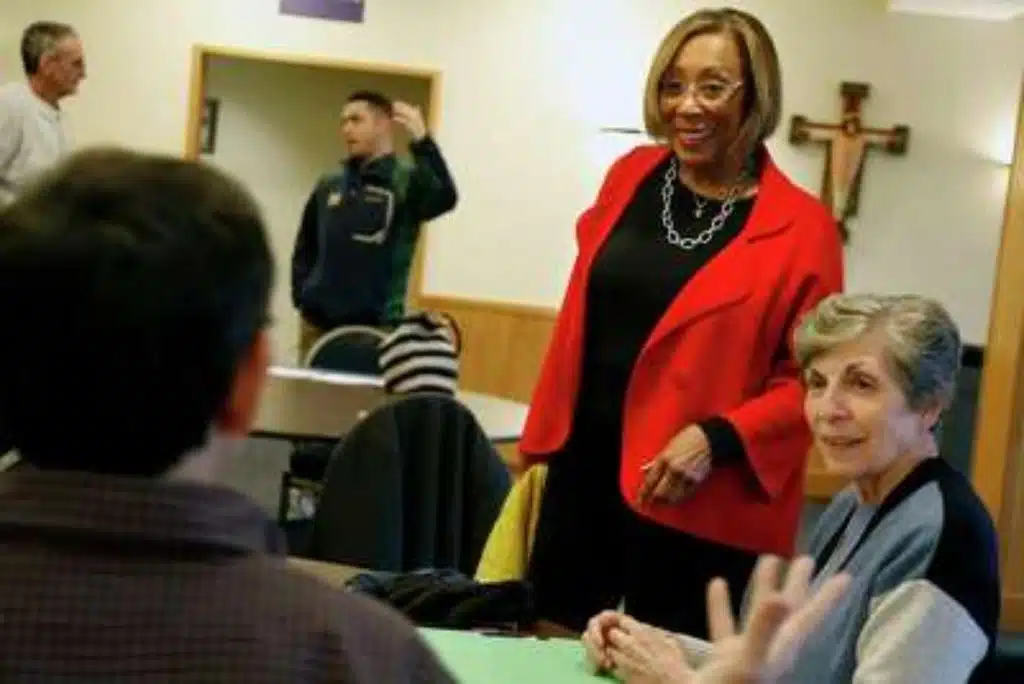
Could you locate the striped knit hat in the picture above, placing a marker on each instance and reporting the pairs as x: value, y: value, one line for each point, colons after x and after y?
x: 421, y: 355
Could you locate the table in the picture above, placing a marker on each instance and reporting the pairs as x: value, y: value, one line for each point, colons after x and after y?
x: 300, y: 404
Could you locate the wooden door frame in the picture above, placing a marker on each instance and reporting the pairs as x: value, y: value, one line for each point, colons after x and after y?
x: 203, y: 53
x: 998, y: 453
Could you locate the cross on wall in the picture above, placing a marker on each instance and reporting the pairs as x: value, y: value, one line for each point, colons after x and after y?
x: 846, y: 144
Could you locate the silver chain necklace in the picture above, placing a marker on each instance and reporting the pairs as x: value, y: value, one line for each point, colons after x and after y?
x: 704, y: 237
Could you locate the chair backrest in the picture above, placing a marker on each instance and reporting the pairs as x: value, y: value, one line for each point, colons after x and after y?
x: 415, y: 484
x: 347, y: 349
x: 956, y: 441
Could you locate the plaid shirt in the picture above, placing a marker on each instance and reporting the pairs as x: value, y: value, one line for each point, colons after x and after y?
x: 108, y: 579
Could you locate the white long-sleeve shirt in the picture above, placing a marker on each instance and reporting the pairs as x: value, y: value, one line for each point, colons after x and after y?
x: 32, y: 138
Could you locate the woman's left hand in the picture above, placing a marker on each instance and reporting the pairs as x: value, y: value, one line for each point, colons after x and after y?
x: 680, y: 467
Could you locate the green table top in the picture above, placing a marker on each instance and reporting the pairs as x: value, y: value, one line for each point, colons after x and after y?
x: 476, y: 658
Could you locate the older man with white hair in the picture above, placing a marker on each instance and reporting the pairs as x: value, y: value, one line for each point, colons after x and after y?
x: 32, y: 135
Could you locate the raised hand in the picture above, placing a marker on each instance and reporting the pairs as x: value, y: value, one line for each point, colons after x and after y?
x: 410, y: 118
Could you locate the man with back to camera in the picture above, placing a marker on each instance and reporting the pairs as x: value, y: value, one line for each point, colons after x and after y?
x: 32, y: 135
x: 356, y: 242
x: 136, y: 364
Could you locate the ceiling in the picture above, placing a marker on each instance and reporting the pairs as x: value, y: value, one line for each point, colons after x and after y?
x: 990, y: 10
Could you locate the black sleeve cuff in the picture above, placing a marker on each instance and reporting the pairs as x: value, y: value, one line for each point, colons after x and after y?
x: 726, y: 445
x: 425, y: 145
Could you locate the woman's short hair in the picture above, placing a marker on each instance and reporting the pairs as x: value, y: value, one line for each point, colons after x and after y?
x: 922, y: 341
x: 762, y: 77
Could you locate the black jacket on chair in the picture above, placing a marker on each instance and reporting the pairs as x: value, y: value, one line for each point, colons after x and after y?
x: 416, y: 484
x: 447, y: 599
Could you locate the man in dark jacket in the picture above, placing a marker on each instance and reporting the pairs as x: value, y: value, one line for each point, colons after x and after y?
x: 135, y: 363
x: 359, y: 229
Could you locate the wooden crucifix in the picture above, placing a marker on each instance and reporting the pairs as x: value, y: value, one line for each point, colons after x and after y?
x: 846, y: 144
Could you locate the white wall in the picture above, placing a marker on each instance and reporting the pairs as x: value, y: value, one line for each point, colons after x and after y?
x: 527, y: 83
x: 278, y: 132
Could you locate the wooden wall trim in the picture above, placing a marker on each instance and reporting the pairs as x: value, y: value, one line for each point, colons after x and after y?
x: 194, y: 117
x: 821, y: 486
x: 1012, y: 619
x: 997, y: 471
x: 1000, y: 407
x: 503, y: 344
x: 313, y: 60
x: 488, y: 305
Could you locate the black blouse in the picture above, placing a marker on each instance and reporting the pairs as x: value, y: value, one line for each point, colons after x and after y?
x: 635, y: 276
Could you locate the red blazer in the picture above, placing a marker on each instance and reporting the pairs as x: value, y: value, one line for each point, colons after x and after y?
x: 722, y: 348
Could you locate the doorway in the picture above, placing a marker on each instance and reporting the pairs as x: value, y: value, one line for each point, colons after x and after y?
x: 272, y: 120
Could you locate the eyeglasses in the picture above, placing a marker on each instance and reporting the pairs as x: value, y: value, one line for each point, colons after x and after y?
x: 708, y: 93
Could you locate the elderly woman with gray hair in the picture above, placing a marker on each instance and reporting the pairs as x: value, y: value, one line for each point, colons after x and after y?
x: 920, y: 548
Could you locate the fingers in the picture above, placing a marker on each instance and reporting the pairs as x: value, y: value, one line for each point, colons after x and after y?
x: 405, y: 113
x: 768, y: 634
x: 688, y: 480
x: 643, y: 653
x: 595, y: 640
x: 798, y: 580
x: 409, y: 117
x: 601, y: 623
x: 681, y: 467
x: 631, y: 635
x: 765, y: 620
x: 696, y: 466
x: 665, y: 484
x: 653, y: 472
x: 596, y: 654
x: 633, y: 626
x: 721, y: 623
x: 765, y: 580
x: 620, y: 640
x: 626, y: 653
x: 807, y: 617
x: 802, y: 621
x: 669, y: 486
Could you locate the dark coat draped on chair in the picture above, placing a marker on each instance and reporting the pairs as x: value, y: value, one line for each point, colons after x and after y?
x: 417, y: 484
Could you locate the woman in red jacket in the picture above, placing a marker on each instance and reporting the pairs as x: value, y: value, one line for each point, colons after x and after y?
x: 669, y: 407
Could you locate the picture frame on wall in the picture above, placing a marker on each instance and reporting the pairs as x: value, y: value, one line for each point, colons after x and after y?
x: 334, y: 10
x: 208, y: 128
